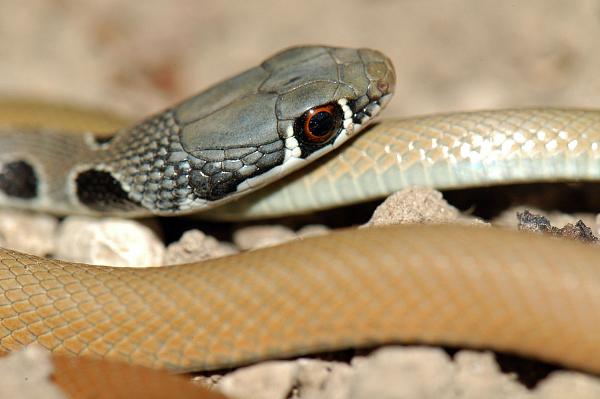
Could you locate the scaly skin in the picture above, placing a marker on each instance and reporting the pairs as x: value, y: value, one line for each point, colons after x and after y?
x: 472, y: 287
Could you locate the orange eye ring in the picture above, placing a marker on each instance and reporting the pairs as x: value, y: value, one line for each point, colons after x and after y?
x: 320, y: 123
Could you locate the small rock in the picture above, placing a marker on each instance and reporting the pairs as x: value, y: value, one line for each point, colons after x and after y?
x: 318, y: 379
x: 109, y: 241
x: 268, y: 380
x: 32, y: 233
x: 26, y: 375
x: 194, y: 246
x: 253, y: 237
x: 561, y: 219
x: 312, y: 230
x: 533, y: 222
x: 478, y: 376
x: 508, y: 218
x: 529, y: 221
x: 399, y: 372
x: 416, y: 205
x: 209, y: 382
x: 568, y: 384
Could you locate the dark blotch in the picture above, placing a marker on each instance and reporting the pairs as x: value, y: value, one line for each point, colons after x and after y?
x: 103, y: 139
x: 212, y: 182
x: 18, y: 179
x: 214, y: 187
x: 100, y: 191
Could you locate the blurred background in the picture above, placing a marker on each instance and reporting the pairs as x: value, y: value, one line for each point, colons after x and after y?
x: 140, y: 56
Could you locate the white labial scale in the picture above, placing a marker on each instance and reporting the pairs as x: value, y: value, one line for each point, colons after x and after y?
x: 291, y: 143
x: 290, y: 164
x: 292, y: 149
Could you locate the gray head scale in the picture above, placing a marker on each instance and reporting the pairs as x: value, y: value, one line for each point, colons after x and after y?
x: 253, y: 128
x: 274, y: 118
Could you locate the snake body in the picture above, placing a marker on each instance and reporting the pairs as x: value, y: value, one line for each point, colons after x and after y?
x: 473, y: 287
x: 451, y: 285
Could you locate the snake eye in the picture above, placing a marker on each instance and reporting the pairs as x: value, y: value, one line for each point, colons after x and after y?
x: 319, y: 124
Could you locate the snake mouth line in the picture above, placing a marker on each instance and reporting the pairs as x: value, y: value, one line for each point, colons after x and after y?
x: 363, y: 116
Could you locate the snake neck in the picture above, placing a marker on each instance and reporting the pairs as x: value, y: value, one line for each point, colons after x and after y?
x: 139, y: 169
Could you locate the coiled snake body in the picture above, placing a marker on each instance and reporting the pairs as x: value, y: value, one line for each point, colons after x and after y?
x: 450, y: 285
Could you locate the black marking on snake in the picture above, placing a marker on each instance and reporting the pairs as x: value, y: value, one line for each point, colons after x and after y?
x: 212, y: 183
x: 100, y: 140
x: 18, y: 179
x: 214, y: 187
x: 100, y: 191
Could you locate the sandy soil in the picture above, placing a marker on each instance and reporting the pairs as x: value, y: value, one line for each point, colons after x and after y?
x: 137, y: 57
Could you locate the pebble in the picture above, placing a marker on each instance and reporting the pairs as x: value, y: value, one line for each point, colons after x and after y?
x: 508, y: 218
x: 194, y: 246
x: 399, y: 372
x: 478, y: 376
x: 407, y: 372
x: 268, y: 380
x: 569, y: 384
x: 313, y: 230
x: 321, y: 379
x: 33, y: 233
x: 108, y: 241
x: 26, y: 374
x: 261, y: 236
x: 417, y: 205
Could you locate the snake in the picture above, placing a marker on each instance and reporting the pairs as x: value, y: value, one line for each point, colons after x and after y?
x: 291, y: 136
x: 211, y: 148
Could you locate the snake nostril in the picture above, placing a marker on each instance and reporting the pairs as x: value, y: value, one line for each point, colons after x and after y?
x: 383, y: 86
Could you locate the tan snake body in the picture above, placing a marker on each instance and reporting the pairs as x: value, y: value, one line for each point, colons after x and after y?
x: 474, y: 287
x: 482, y: 288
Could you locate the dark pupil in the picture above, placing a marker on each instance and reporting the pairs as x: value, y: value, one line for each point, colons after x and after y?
x: 321, y: 123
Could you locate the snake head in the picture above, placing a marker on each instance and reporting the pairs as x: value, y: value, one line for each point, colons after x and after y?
x: 249, y: 130
x: 275, y: 118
